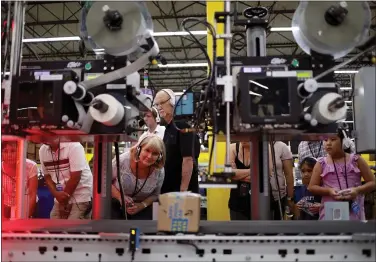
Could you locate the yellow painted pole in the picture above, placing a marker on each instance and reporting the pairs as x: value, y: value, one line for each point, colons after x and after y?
x: 217, y: 198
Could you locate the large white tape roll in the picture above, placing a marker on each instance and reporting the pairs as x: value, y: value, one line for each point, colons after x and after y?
x: 312, y: 32
x: 322, y: 113
x: 114, y: 113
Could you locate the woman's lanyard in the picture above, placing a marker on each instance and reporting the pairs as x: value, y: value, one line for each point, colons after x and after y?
x: 345, y: 175
x: 56, y: 168
x: 318, y: 153
x: 135, y: 191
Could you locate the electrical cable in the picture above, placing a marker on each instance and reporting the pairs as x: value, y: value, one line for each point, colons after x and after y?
x: 211, y: 65
x: 153, y: 88
x: 211, y: 73
x: 184, y: 93
x: 117, y: 157
x: 190, y: 243
x: 211, y: 152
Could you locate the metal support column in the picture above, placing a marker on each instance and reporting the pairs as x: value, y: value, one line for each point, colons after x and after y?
x: 217, y: 206
x: 102, y: 179
x: 16, y: 50
x: 22, y: 211
x: 256, y: 41
x: 260, y: 197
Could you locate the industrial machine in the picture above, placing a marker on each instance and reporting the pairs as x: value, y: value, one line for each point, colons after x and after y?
x: 92, y: 97
x: 257, y: 98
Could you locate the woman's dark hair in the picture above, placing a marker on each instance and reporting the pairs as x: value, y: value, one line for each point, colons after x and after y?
x: 309, y: 161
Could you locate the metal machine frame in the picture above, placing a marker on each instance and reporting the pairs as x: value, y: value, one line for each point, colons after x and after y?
x: 108, y: 240
x: 56, y: 247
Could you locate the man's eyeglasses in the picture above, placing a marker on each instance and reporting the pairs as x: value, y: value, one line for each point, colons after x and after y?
x: 161, y: 103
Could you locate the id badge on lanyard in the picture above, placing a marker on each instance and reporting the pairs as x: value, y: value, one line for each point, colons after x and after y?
x: 59, y: 187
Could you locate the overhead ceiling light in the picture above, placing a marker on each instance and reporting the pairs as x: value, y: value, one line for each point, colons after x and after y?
x: 179, y: 33
x: 77, y: 38
x: 346, y: 72
x: 345, y: 88
x: 51, y: 39
x: 282, y: 29
x: 183, y: 65
x: 156, y: 34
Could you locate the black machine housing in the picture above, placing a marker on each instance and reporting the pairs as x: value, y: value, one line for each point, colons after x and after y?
x: 282, y: 75
x: 39, y: 88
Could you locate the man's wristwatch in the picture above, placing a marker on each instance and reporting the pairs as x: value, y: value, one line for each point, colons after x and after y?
x: 289, y: 198
x: 145, y: 205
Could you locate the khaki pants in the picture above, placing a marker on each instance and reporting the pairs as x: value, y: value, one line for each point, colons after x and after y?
x: 78, y: 211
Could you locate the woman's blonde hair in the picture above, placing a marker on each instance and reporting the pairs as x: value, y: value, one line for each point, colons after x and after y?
x: 151, y: 141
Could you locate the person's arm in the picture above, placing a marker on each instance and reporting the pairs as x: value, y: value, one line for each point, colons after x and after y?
x: 154, y: 196
x: 240, y: 174
x: 367, y: 176
x: 32, y: 188
x: 115, y: 189
x: 78, y: 163
x: 47, y: 177
x: 187, y: 152
x: 315, y: 183
x: 186, y: 172
x: 287, y: 164
x: 115, y: 193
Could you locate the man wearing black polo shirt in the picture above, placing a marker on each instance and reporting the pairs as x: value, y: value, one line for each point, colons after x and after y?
x: 181, y: 169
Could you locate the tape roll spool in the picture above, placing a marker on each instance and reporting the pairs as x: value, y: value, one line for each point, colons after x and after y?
x: 312, y: 31
x: 136, y: 24
x: 71, y: 88
x: 321, y: 111
x: 113, y: 115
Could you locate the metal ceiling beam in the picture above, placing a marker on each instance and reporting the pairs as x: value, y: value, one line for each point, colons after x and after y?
x: 178, y: 16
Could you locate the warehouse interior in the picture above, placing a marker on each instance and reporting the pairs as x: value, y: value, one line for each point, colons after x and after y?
x: 54, y: 37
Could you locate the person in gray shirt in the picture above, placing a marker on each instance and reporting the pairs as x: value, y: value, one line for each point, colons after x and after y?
x: 141, y: 179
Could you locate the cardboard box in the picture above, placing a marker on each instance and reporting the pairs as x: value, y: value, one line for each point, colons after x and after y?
x: 179, y: 212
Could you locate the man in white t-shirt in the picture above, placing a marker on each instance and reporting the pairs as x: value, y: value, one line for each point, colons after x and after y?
x: 9, y: 182
x: 152, y: 122
x: 69, y: 179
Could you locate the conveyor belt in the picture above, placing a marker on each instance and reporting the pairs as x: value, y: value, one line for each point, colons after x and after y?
x: 206, y: 227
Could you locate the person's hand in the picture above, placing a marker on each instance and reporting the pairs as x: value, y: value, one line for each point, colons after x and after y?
x: 350, y: 194
x: 127, y: 199
x: 65, y: 210
x: 62, y: 197
x: 315, y: 208
x: 135, y: 208
x: 334, y: 194
x: 299, y: 204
